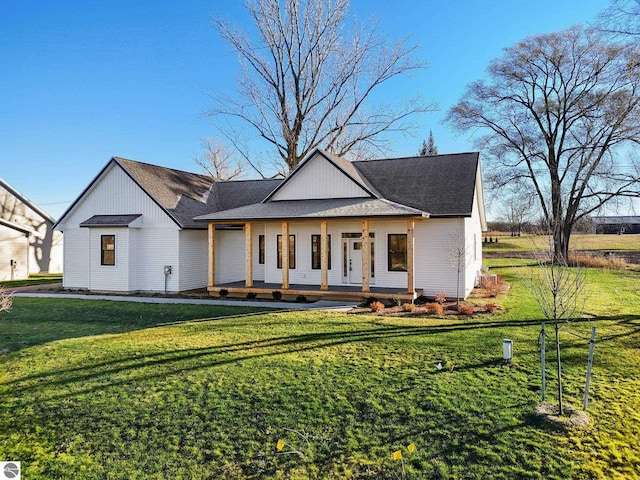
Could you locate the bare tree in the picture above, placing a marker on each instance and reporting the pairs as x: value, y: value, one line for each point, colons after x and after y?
x: 517, y: 210
x: 621, y: 18
x: 428, y: 147
x: 307, y: 79
x: 559, y: 111
x: 558, y: 289
x: 218, y: 161
x: 459, y: 258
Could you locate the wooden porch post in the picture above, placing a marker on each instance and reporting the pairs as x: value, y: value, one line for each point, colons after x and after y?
x: 366, y: 255
x: 248, y: 255
x: 411, y: 283
x: 285, y: 255
x: 212, y: 255
x: 324, y: 256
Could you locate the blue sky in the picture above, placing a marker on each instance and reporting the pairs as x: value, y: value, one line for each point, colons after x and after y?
x: 83, y: 81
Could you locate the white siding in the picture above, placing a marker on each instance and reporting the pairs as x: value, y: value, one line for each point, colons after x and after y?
x: 473, y: 235
x: 305, y: 275
x: 77, y: 265
x: 14, y: 245
x: 193, y: 264
x: 141, y: 253
x: 109, y: 277
x: 230, y: 266
x: 433, y: 241
x: 318, y: 178
x: 44, y: 246
x: 157, y: 247
x: 258, y: 269
x: 116, y: 194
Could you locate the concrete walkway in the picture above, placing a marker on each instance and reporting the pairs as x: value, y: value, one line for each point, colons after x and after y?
x: 319, y: 305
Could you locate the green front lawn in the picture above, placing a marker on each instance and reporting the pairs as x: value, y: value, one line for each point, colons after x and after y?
x: 35, y: 279
x: 121, y: 390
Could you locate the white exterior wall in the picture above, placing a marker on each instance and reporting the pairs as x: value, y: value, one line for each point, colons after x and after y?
x: 473, y: 236
x: 144, y: 251
x: 14, y: 245
x: 156, y: 246
x: 77, y: 267
x: 258, y: 269
x: 109, y: 277
x: 305, y: 275
x: 193, y: 271
x: 433, y: 240
x: 230, y: 256
x: 318, y: 178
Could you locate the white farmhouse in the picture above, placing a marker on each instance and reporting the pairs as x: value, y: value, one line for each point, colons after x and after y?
x: 28, y: 242
x: 399, y: 227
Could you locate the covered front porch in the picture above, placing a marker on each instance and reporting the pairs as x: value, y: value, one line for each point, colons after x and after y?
x: 311, y: 292
x: 356, y: 287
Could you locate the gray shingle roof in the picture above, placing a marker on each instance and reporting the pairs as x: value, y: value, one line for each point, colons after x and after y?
x: 317, y: 208
x: 110, y: 220
x: 436, y: 186
x: 185, y: 195
x: 441, y: 185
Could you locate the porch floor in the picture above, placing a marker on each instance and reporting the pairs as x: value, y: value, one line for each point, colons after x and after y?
x: 337, y: 292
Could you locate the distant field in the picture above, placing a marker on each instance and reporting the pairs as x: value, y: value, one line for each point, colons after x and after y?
x: 578, y: 242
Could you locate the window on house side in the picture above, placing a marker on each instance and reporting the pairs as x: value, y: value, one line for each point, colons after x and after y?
x: 261, y: 249
x: 108, y: 250
x: 292, y: 251
x: 316, y: 255
x: 397, y: 252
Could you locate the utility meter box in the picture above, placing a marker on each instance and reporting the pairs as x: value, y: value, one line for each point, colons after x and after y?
x: 167, y: 269
x: 507, y: 349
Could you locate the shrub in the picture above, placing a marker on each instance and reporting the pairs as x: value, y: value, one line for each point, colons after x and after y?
x: 251, y: 295
x: 376, y: 306
x: 434, y: 308
x: 441, y: 297
x: 408, y: 307
x: 223, y: 293
x: 301, y: 299
x: 465, y: 310
x: 490, y: 308
x: 277, y: 295
x: 396, y: 301
x: 368, y: 301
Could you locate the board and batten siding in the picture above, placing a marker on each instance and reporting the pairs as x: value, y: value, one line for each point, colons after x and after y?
x: 319, y: 178
x: 193, y: 248
x: 141, y: 252
x: 116, y: 194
